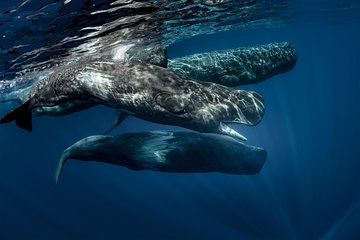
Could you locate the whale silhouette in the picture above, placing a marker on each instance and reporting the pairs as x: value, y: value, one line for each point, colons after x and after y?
x: 239, y: 66
x: 178, y: 152
x: 149, y: 92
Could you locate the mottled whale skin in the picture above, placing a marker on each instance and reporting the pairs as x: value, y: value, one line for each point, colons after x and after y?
x: 145, y: 53
x: 149, y: 92
x: 232, y: 67
x: 229, y: 67
x: 178, y: 152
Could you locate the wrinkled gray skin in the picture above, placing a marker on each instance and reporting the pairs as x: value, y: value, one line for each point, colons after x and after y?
x: 238, y: 66
x: 150, y: 53
x: 230, y: 67
x: 179, y: 152
x: 143, y: 52
x: 146, y: 91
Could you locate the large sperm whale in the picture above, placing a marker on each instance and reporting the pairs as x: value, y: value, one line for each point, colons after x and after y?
x: 146, y: 91
x: 180, y: 152
x: 239, y: 66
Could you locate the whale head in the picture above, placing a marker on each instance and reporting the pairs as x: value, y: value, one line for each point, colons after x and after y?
x: 209, y: 107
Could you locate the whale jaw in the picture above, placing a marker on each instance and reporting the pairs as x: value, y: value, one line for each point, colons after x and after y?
x: 226, y: 130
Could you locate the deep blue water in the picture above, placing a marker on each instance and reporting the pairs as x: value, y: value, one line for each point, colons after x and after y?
x: 309, y: 188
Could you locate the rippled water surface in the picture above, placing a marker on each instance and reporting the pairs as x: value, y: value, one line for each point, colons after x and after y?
x: 37, y: 35
x: 309, y: 186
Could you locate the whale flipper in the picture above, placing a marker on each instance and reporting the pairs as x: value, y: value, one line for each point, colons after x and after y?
x: 120, y: 117
x: 21, y: 115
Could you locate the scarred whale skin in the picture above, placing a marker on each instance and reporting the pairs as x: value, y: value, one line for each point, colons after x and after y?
x: 232, y: 67
x: 178, y: 152
x: 146, y: 91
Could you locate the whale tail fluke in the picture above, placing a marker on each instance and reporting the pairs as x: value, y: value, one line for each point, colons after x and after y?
x: 60, y: 166
x: 21, y: 115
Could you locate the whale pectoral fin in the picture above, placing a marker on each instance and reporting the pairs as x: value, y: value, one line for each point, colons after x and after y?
x: 120, y: 116
x: 21, y: 115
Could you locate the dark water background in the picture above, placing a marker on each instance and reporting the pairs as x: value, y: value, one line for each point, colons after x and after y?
x: 309, y: 188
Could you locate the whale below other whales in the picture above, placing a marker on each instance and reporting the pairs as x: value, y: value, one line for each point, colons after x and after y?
x: 177, y: 152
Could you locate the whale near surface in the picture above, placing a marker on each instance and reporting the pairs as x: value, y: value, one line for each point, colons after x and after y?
x: 239, y: 66
x: 149, y: 92
x: 177, y: 152
x: 229, y: 67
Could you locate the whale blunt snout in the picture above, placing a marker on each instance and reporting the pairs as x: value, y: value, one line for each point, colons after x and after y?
x: 252, y: 107
x: 211, y: 108
x: 245, y: 107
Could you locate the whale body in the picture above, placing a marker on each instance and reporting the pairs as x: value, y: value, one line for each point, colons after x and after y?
x: 178, y: 152
x: 240, y: 66
x: 149, y: 92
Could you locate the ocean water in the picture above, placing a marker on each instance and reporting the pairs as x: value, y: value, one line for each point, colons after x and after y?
x: 309, y: 187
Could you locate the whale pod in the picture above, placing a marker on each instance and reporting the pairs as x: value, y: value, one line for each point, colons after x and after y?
x: 178, y: 152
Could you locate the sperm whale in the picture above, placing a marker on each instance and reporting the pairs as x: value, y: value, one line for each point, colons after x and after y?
x: 180, y: 152
x: 149, y: 92
x: 239, y: 66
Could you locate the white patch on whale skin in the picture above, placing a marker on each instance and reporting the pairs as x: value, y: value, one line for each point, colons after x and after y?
x: 161, y: 155
x: 59, y: 109
x: 160, y: 144
x: 97, y: 81
x: 119, y: 53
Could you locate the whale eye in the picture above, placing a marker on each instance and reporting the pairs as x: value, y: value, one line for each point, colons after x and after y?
x: 172, y: 103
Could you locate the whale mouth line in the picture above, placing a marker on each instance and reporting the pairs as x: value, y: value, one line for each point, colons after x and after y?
x: 226, y: 130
